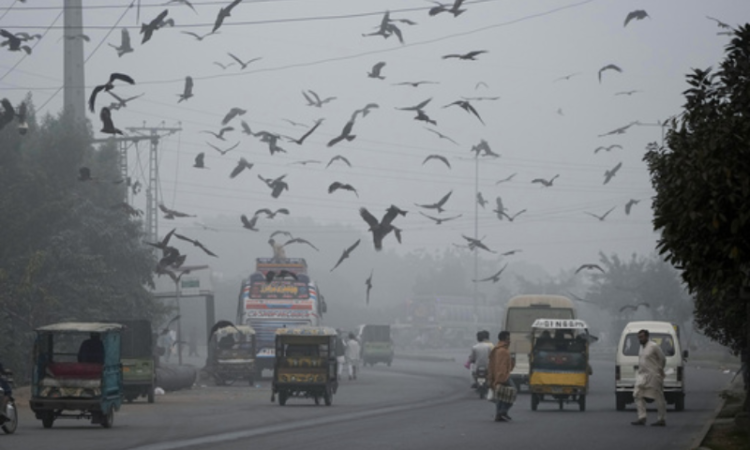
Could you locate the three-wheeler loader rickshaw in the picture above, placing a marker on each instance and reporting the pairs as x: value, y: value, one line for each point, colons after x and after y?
x: 77, y: 372
x: 305, y: 365
x: 559, y: 362
x: 138, y: 360
x: 231, y: 353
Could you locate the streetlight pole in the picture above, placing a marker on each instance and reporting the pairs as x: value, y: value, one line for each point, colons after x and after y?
x: 476, y: 234
x: 179, y: 319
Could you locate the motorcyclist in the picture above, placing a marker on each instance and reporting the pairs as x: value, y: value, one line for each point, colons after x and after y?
x: 7, y: 392
x: 480, y: 354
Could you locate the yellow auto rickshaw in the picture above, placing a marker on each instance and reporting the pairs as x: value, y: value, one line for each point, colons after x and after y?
x: 559, y: 362
x: 231, y: 353
x: 305, y: 365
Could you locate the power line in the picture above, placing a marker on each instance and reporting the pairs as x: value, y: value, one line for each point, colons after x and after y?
x: 33, y: 47
x: 7, y: 10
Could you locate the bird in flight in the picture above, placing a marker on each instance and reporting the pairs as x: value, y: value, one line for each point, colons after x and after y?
x: 513, y: 217
x: 480, y: 99
x: 421, y: 115
x: 511, y: 252
x: 223, y: 66
x: 364, y: 111
x: 147, y: 29
x: 414, y: 83
x: 480, y: 200
x: 630, y: 204
x: 336, y: 186
x: 223, y: 152
x: 368, y: 283
x: 195, y: 243
x: 721, y: 24
x: 14, y: 42
x: 628, y: 93
x: 608, y: 174
x: 380, y: 229
x: 187, y: 91
x: 440, y: 220
x: 602, y: 217
x: 471, y: 56
x: 314, y: 100
x: 638, y: 14
x: 387, y: 28
x: 277, y: 185
x: 346, y: 254
x: 441, y: 135
x: 198, y: 37
x: 271, y: 214
x: 454, y: 9
x: 483, y: 146
x: 566, y: 77
x: 249, y: 223
x: 545, y: 183
x: 220, y: 134
x: 477, y: 243
x: 339, y: 158
x: 634, y: 307
x: 108, y: 86
x: 416, y: 107
x: 242, y: 164
x: 590, y: 267
x: 375, y: 71
x: 608, y: 67
x: 466, y: 106
x: 346, y: 133
x: 234, y: 112
x: 121, y: 102
x: 108, y: 126
x: 620, y: 130
x: 171, y: 213
x: 499, y: 208
x: 606, y: 149
x: 308, y: 133
x: 508, y: 178
x: 439, y: 204
x: 199, y: 161
x: 494, y: 278
x: 125, y: 46
x: 224, y: 12
x: 439, y: 158
x: 243, y: 64
x: 305, y: 162
x: 298, y: 241
x: 184, y: 2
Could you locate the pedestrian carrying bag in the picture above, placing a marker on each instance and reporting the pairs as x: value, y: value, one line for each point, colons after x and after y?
x: 505, y: 394
x: 490, y: 396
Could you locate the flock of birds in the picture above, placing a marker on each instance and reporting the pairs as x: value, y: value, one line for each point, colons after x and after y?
x: 172, y: 261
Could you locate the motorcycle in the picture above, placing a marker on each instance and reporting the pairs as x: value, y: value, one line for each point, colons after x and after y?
x: 9, y: 423
x: 482, y: 385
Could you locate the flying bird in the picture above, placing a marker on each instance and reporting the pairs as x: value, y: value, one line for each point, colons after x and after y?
x: 480, y: 200
x: 197, y: 36
x: 630, y: 204
x: 224, y: 12
x: 285, y: 233
x: 499, y: 209
x: 187, y: 91
x: 508, y: 178
x: 421, y: 115
x: 305, y: 162
x: 243, y: 64
x: 481, y: 83
x: 345, y: 134
x: 107, y: 125
x: 439, y: 158
x: 147, y: 30
x: 171, y: 213
x: 608, y: 67
x: 271, y: 214
x: 368, y: 283
x: 471, y: 56
x: 364, y: 111
x: 719, y: 23
x: 199, y: 163
x: 417, y: 107
x: 441, y: 135
x: 277, y: 185
x: 307, y: 134
x: 223, y: 66
x: 314, y: 100
x: 628, y: 93
x: 14, y: 42
x: 380, y: 229
x: 440, y: 220
x: 477, y: 243
x: 339, y: 158
x: 234, y: 112
x: 414, y: 83
x: 494, y: 278
x: 299, y: 241
x: 249, y: 223
x: 603, y: 216
x: 375, y: 71
x: 545, y: 183
x: 336, y: 186
x: 513, y: 217
x: 439, y: 204
x: 511, y: 252
x: 223, y: 152
x: 108, y: 86
x: 638, y: 14
x: 242, y: 164
x: 121, y: 102
x: 454, y: 9
x: 608, y: 174
x: 567, y: 77
x: 220, y: 134
x: 634, y: 307
x: 466, y: 106
x: 620, y: 130
x: 195, y: 243
x: 606, y: 149
x: 125, y: 46
x: 346, y: 254
x: 162, y: 245
x: 484, y: 148
x: 590, y: 267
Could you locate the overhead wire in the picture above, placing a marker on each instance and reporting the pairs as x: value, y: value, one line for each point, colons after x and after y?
x: 32, y: 47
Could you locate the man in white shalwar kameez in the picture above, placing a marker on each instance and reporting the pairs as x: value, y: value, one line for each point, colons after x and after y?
x: 649, y: 380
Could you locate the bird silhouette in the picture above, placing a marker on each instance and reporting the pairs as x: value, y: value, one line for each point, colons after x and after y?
x: 511, y: 252
x: 249, y: 223
x: 608, y: 67
x: 346, y: 254
x: 513, y: 217
x: 336, y: 186
x: 608, y: 174
x: 440, y: 220
x: 480, y: 200
x: 285, y: 233
x: 620, y: 130
x: 9, y: 113
x: 441, y: 135
x: 545, y: 183
x: 314, y: 100
x: 293, y: 123
x: 307, y: 134
x: 494, y: 278
x: 121, y: 102
x: 147, y: 30
x: 380, y: 229
x: 234, y: 112
x: 107, y: 125
x: 603, y: 216
x: 630, y: 204
x: 162, y: 245
x: 14, y: 42
x: 477, y: 243
x: 364, y: 111
x: 628, y: 93
x: 481, y: 83
x: 484, y: 148
x: 125, y: 46
x: 198, y: 37
x: 635, y: 307
x: 439, y: 158
x: 719, y: 23
x: 195, y: 243
x: 220, y: 134
x: 368, y: 283
x: 199, y: 161
x: 471, y: 56
x: 271, y: 214
x: 590, y: 267
x: 345, y: 134
x: 187, y: 91
x: 242, y: 164
x: 414, y: 83
x: 306, y: 162
x: 338, y: 158
x: 243, y: 64
x: 171, y: 213
x: 421, y: 115
x: 223, y: 14
x: 223, y: 151
x: 439, y: 204
x: 223, y: 66
x: 566, y: 77
x: 638, y: 14
x: 606, y: 149
x: 108, y: 86
x: 481, y: 99
x: 375, y: 71
x: 299, y: 241
x: 499, y: 208
x: 277, y: 185
x: 466, y: 106
x: 508, y: 178
x: 454, y: 9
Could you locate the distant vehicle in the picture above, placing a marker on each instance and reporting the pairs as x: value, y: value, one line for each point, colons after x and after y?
x: 138, y: 361
x: 667, y: 336
x: 282, y: 303
x: 231, y: 354
x: 520, y: 314
x: 377, y: 345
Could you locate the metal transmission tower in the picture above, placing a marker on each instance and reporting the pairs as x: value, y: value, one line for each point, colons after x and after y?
x: 74, y: 95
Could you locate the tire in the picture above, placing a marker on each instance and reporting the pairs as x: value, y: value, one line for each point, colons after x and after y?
x: 620, y: 401
x: 10, y: 426
x: 679, y: 402
x: 47, y: 420
x: 534, y: 402
x: 582, y: 402
x: 317, y: 400
x: 282, y: 398
x: 560, y: 401
x: 328, y: 397
x: 108, y: 419
x: 151, y: 397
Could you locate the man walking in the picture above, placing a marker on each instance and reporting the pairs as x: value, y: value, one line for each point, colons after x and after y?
x: 649, y: 380
x: 500, y: 367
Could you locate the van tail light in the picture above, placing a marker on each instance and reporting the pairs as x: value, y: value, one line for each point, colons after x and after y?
x: 617, y: 373
x: 679, y: 374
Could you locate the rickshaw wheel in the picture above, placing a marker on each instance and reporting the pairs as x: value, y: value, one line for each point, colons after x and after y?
x: 582, y: 402
x: 560, y: 401
x: 282, y: 398
x: 317, y: 400
x: 108, y: 419
x: 328, y: 397
x: 10, y: 426
x: 534, y: 402
x: 47, y: 420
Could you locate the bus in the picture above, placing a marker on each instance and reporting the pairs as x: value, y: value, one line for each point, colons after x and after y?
x: 520, y: 313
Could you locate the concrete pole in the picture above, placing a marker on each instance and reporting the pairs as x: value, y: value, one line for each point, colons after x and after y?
x: 74, y: 80
x: 476, y: 236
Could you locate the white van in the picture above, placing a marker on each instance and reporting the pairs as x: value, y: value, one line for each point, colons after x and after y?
x: 667, y: 336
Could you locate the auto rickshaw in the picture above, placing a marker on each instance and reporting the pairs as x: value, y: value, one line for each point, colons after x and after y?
x: 305, y: 364
x: 138, y: 360
x: 231, y: 353
x: 76, y: 367
x: 559, y: 362
x: 377, y: 345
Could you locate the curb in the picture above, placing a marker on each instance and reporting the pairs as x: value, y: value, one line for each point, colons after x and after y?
x: 701, y: 436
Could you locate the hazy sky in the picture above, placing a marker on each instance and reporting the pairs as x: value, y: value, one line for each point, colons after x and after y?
x: 541, y: 127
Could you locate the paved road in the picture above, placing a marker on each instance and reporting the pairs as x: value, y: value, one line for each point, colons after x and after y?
x: 412, y: 405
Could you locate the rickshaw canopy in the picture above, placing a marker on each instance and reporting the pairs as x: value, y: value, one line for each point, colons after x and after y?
x: 239, y: 329
x: 80, y: 327
x: 306, y: 331
x: 559, y: 324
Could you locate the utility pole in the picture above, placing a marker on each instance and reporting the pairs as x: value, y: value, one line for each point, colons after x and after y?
x: 476, y: 236
x: 74, y: 80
